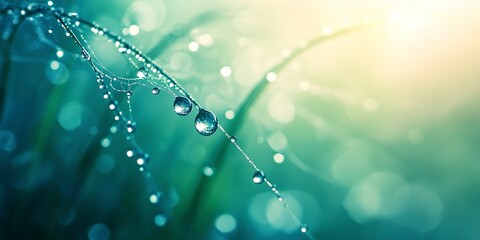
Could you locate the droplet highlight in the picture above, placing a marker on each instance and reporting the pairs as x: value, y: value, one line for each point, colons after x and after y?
x: 206, y: 122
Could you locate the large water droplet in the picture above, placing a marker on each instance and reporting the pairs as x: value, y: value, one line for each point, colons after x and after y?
x: 142, y: 72
x: 182, y: 105
x: 258, y: 177
x: 206, y: 122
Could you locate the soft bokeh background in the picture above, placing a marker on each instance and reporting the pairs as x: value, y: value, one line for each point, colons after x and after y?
x: 372, y: 135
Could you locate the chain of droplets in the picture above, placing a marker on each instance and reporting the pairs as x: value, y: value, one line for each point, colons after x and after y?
x: 206, y: 123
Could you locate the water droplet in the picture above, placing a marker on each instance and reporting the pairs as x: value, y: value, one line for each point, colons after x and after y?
x: 105, y: 142
x: 182, y: 105
x: 142, y: 73
x: 160, y: 220
x: 155, y: 91
x: 233, y: 139
x: 129, y: 93
x: 258, y: 177
x: 143, y: 160
x: 112, y: 106
x: 303, y: 228
x: 155, y: 197
x: 131, y: 127
x: 130, y: 153
x: 86, y: 55
x: 113, y: 129
x: 208, y: 171
x: 271, y: 76
x: 122, y: 49
x: 206, y: 122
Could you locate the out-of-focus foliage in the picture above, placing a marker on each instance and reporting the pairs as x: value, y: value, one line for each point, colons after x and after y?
x: 373, y: 135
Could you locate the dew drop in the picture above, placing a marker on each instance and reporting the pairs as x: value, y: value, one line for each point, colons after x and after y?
x: 129, y: 93
x: 122, y: 49
x: 130, y: 153
x: 155, y: 197
x: 155, y: 91
x: 131, y: 127
x: 303, y: 228
x: 143, y: 160
x: 142, y: 73
x: 86, y: 55
x: 206, y: 122
x: 182, y: 105
x: 208, y: 171
x: 233, y: 139
x: 258, y: 177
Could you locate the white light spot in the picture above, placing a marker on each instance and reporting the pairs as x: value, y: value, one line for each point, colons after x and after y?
x: 226, y: 71
x: 133, y: 30
x: 225, y: 223
x: 59, y: 53
x: 271, y: 76
x: 50, y: 3
x: 193, y: 46
x: 54, y: 65
x: 205, y: 40
x: 278, y: 158
x: 230, y: 114
x: 208, y: 171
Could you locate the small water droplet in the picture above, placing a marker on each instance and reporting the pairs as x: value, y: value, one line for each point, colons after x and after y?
x: 258, y: 177
x: 143, y: 160
x: 206, y: 122
x: 86, y: 55
x: 105, y: 142
x: 233, y: 139
x: 155, y: 197
x: 208, y: 171
x: 130, y: 153
x: 129, y: 93
x: 160, y: 220
x: 303, y: 228
x: 112, y: 106
x: 131, y: 127
x: 182, y: 105
x: 155, y: 91
x: 113, y: 129
x: 122, y: 49
x: 142, y: 73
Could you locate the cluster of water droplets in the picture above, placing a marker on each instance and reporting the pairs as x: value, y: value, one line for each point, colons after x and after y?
x: 148, y: 74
